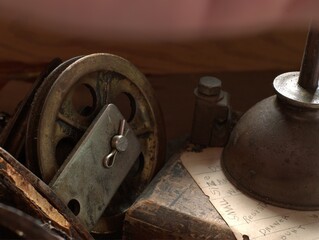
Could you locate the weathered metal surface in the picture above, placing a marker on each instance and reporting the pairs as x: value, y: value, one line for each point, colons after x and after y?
x: 35, y: 113
x: 174, y: 207
x: 15, y: 224
x: 82, y: 182
x: 37, y: 198
x: 59, y: 125
x: 212, y: 121
x: 272, y: 153
x: 302, y: 89
x: 12, y: 137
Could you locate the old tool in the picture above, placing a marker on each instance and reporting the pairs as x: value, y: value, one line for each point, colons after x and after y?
x: 94, y: 133
x: 272, y: 153
x: 70, y: 104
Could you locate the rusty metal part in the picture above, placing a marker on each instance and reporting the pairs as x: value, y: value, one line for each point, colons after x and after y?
x: 12, y: 137
x: 34, y: 115
x: 16, y: 224
x: 36, y: 197
x: 82, y: 182
x: 272, y: 153
x: 59, y: 124
x: 212, y: 121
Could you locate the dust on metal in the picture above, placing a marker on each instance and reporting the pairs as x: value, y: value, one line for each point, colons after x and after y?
x: 82, y: 180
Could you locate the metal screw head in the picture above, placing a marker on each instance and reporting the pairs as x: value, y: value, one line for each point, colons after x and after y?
x: 120, y: 143
x: 209, y: 86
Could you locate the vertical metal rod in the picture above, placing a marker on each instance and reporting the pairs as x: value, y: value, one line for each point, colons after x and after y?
x: 122, y: 127
x: 309, y: 73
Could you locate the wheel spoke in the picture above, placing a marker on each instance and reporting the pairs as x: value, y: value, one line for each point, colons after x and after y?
x: 107, y: 86
x: 72, y: 122
x: 143, y: 131
x: 140, y: 126
x: 70, y: 116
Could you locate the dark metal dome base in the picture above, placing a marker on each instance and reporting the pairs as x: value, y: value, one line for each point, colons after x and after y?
x: 272, y: 155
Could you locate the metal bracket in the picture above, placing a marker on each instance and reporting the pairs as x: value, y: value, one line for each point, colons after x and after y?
x: 212, y: 121
x: 83, y: 182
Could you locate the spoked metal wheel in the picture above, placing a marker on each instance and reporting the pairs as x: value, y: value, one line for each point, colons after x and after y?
x: 69, y: 100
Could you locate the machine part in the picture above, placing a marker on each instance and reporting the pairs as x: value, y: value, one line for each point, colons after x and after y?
x: 212, y: 116
x: 12, y: 138
x: 37, y: 198
x: 119, y: 143
x: 18, y: 225
x: 58, y: 121
x: 80, y: 182
x: 35, y: 113
x: 272, y: 153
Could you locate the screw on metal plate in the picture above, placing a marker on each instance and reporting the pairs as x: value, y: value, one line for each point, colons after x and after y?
x: 119, y: 144
x: 83, y: 174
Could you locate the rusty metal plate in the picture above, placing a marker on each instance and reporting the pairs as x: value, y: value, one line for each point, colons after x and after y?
x: 82, y: 182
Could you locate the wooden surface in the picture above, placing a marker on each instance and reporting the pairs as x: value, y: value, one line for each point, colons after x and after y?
x: 174, y: 207
x: 34, y: 196
x: 272, y: 50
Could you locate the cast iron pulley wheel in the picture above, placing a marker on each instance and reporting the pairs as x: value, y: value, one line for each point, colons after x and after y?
x: 69, y: 100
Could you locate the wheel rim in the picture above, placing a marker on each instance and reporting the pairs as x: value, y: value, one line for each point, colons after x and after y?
x: 62, y: 122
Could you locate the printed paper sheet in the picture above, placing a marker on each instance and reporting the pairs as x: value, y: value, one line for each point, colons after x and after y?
x: 244, y: 215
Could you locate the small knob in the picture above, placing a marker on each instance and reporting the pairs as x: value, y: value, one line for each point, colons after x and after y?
x: 120, y: 143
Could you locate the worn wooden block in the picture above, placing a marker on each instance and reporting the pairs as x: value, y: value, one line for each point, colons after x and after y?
x: 174, y: 207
